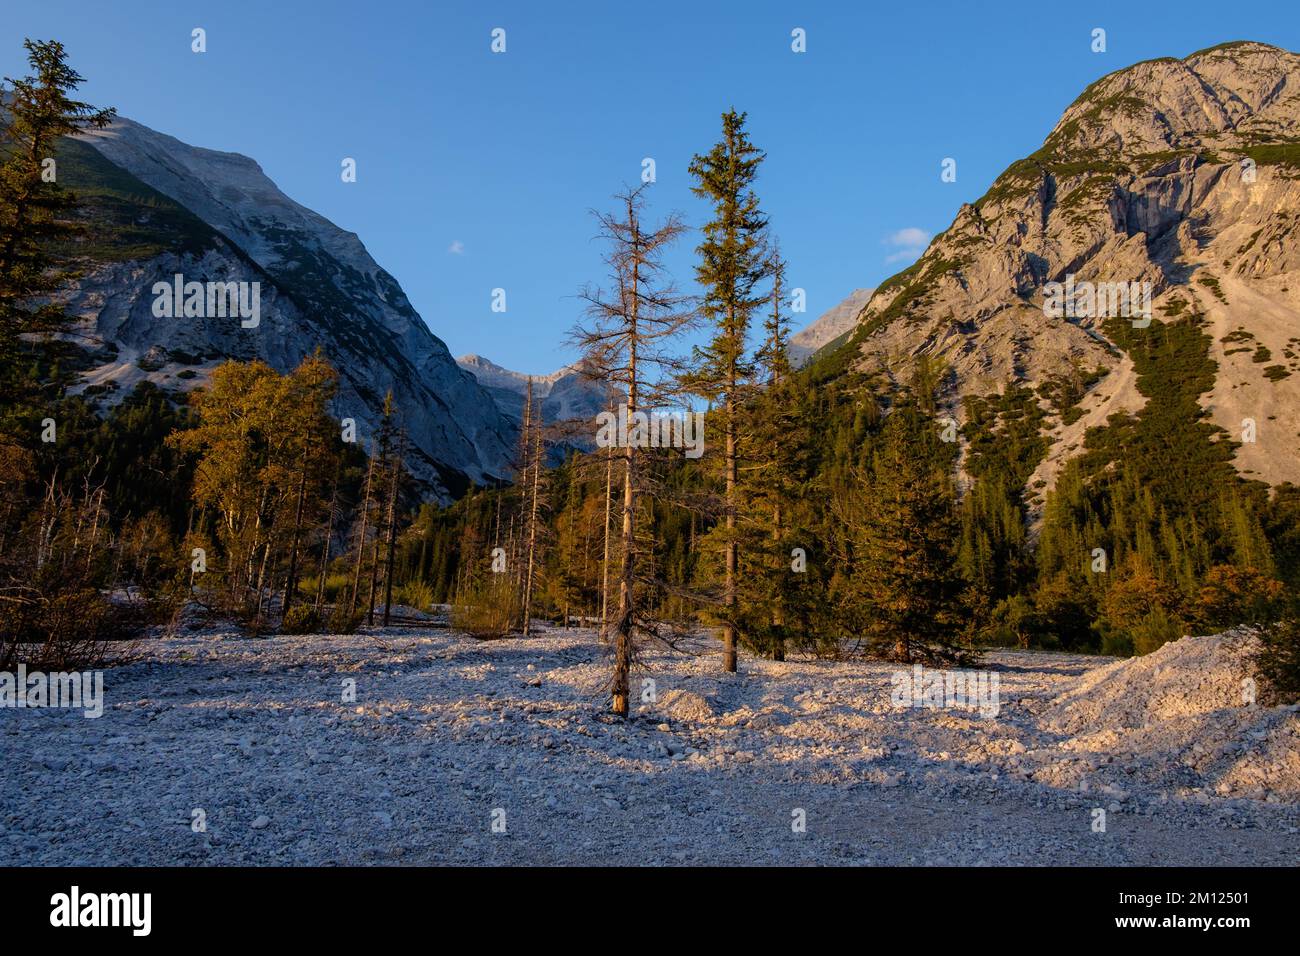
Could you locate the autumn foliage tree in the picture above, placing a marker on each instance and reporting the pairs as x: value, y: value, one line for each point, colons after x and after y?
x: 265, y: 448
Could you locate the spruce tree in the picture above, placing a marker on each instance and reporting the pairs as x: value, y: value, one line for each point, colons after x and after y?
x: 535, y: 462
x: 774, y: 581
x: 905, y: 571
x: 35, y: 211
x: 733, y: 262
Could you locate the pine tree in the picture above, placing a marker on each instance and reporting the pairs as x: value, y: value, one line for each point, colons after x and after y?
x: 35, y: 211
x: 773, y: 582
x: 733, y: 261
x: 903, y: 516
x: 533, y: 449
x: 394, y: 487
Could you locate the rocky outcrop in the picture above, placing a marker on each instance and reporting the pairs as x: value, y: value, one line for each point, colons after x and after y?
x: 1184, y: 174
x: 829, y: 326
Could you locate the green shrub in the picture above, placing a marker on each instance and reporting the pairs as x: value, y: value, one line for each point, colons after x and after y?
x: 1154, y: 630
x: 1116, y: 644
x: 1278, y: 660
x: 341, y: 622
x: 1013, y: 623
x: 336, y: 585
x: 416, y: 594
x: 301, y: 619
x: 488, y: 612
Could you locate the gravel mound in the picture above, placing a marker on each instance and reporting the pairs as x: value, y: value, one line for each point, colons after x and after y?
x: 1186, y: 716
x: 1186, y: 678
x: 686, y: 705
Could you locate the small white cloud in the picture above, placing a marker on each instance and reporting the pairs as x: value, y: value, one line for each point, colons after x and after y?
x: 457, y: 248
x: 907, y: 243
x: 911, y: 236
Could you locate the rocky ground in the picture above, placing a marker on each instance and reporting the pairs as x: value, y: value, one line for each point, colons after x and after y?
x: 448, y: 735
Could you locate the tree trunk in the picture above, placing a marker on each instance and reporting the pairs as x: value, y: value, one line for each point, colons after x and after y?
x: 361, y: 540
x: 261, y: 577
x: 374, y: 582
x: 392, y: 540
x: 604, y: 563
x: 291, y: 583
x: 729, y: 584
x: 623, y: 625
x: 533, y: 451
x: 778, y: 614
x: 627, y: 575
x: 94, y: 529
x: 902, y: 649
x: 325, y: 547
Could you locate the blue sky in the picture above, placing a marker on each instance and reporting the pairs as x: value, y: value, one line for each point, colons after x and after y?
x: 478, y: 170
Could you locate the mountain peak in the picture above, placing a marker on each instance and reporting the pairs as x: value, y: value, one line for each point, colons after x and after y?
x: 829, y: 326
x: 489, y: 372
x: 1223, y: 95
x: 226, y: 220
x: 1180, y: 176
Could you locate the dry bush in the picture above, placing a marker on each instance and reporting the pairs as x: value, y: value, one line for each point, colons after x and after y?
x: 416, y: 594
x: 70, y: 630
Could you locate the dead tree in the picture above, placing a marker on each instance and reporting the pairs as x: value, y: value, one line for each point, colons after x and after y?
x: 625, y: 344
x: 394, y: 480
x: 534, y: 447
x: 361, y: 536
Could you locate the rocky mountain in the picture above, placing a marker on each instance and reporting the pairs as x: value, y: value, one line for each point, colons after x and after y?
x: 827, y: 327
x: 565, y: 395
x: 157, y: 208
x: 1183, y: 174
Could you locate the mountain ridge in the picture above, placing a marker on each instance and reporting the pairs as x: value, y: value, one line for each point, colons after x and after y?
x: 1177, y: 173
x: 563, y: 395
x: 321, y: 288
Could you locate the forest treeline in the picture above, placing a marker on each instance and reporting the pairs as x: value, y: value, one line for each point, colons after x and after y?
x: 832, y: 513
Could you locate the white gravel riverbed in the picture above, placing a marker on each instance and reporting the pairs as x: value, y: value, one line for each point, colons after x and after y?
x: 448, y: 735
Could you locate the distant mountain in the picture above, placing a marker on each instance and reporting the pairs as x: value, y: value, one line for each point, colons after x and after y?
x: 828, y: 327
x: 564, y: 395
x: 1180, y: 173
x: 157, y: 207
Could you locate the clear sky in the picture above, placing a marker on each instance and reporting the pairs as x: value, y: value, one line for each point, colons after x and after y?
x: 478, y: 170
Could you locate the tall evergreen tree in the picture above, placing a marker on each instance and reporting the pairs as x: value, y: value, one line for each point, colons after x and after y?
x: 733, y: 262
x: 904, y: 522
x: 773, y: 540
x: 535, y: 464
x: 35, y: 211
